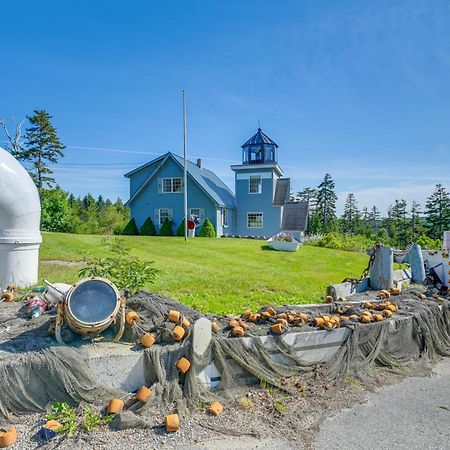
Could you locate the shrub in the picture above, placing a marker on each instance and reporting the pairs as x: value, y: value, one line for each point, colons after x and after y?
x: 124, y: 271
x: 131, y: 228
x: 180, y: 229
x: 207, y: 229
x: 166, y: 228
x: 429, y: 244
x: 340, y: 241
x: 148, y: 228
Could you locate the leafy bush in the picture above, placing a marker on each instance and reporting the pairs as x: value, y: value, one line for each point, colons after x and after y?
x: 339, y: 241
x: 124, y: 271
x: 429, y: 244
x: 72, y: 420
x: 180, y: 229
x: 166, y: 228
x: 131, y: 228
x: 207, y: 229
x: 55, y: 215
x: 148, y: 228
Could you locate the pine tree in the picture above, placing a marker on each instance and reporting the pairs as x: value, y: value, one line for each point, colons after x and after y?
x: 374, y: 216
x: 351, y: 215
x: 207, y: 229
x: 42, y: 146
x: 438, y: 212
x: 326, y: 202
x: 148, y: 228
x: 131, y: 228
x: 180, y: 229
x: 166, y: 229
x: 310, y: 195
x: 399, y: 229
x: 416, y: 221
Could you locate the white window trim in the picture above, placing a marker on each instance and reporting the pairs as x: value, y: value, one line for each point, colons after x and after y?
x: 224, y: 216
x: 171, y: 185
x: 262, y: 219
x: 159, y: 215
x: 250, y: 182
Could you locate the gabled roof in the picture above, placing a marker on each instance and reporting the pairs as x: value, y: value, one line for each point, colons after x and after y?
x: 208, y: 181
x: 282, y: 191
x: 295, y: 216
x: 259, y: 138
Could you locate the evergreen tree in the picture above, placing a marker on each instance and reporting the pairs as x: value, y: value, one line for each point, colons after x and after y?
x: 351, y: 216
x: 416, y: 221
x: 148, y: 228
x: 399, y: 229
x: 42, y: 146
x: 310, y: 195
x: 326, y: 202
x: 100, y: 204
x: 166, y: 228
x: 207, y: 229
x: 438, y: 212
x: 131, y: 228
x: 180, y: 229
x: 374, y: 216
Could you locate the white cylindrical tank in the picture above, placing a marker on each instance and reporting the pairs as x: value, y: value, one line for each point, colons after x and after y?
x: 20, y: 215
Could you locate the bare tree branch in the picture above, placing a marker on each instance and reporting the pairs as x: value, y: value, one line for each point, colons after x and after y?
x: 14, y: 142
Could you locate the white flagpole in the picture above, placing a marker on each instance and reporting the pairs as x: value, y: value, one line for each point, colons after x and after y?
x: 185, y: 168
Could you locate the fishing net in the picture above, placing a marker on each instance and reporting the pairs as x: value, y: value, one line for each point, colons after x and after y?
x: 418, y: 335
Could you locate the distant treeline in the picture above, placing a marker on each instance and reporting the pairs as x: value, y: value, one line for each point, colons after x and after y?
x: 63, y: 212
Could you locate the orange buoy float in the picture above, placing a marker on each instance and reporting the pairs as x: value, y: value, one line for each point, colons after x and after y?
x: 143, y: 394
x: 172, y: 422
x: 115, y: 406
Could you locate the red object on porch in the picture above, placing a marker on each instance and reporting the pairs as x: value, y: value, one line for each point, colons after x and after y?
x: 191, y: 225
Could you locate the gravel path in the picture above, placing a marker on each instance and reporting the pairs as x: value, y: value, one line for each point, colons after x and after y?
x: 413, y: 414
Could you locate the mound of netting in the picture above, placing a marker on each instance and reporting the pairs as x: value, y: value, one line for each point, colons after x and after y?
x: 407, y: 345
x: 30, y: 382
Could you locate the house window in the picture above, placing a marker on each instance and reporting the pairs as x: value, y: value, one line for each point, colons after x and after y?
x: 254, y: 220
x: 197, y: 214
x: 163, y: 215
x: 254, y: 186
x: 224, y: 218
x: 170, y: 185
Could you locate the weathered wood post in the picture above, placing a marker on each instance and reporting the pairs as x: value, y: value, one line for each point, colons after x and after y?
x: 415, y: 259
x: 381, y: 270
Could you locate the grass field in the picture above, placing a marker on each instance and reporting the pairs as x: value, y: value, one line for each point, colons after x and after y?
x: 215, y: 275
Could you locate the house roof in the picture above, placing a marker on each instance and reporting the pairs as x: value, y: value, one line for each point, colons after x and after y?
x: 282, y: 191
x: 207, y: 180
x: 259, y: 138
x: 295, y: 216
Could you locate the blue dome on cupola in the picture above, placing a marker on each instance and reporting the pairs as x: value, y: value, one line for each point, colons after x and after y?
x: 259, y: 149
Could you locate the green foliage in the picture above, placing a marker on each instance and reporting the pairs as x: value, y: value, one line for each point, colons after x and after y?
x: 180, y: 229
x: 438, y: 212
x: 341, y: 241
x: 92, y: 420
x: 207, y: 229
x: 73, y: 420
x: 166, y: 228
x: 42, y: 146
x: 326, y: 202
x: 427, y: 243
x: 55, y: 211
x: 148, y: 228
x: 131, y: 228
x: 124, y: 270
x: 66, y: 416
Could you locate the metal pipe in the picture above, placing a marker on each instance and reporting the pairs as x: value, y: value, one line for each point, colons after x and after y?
x: 20, y: 215
x: 185, y: 168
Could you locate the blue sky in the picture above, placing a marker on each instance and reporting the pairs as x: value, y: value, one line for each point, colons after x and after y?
x: 359, y: 89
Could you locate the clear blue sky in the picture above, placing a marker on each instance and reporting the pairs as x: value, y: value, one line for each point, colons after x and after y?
x: 359, y: 89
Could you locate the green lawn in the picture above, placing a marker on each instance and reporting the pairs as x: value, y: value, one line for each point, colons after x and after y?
x: 215, y: 275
